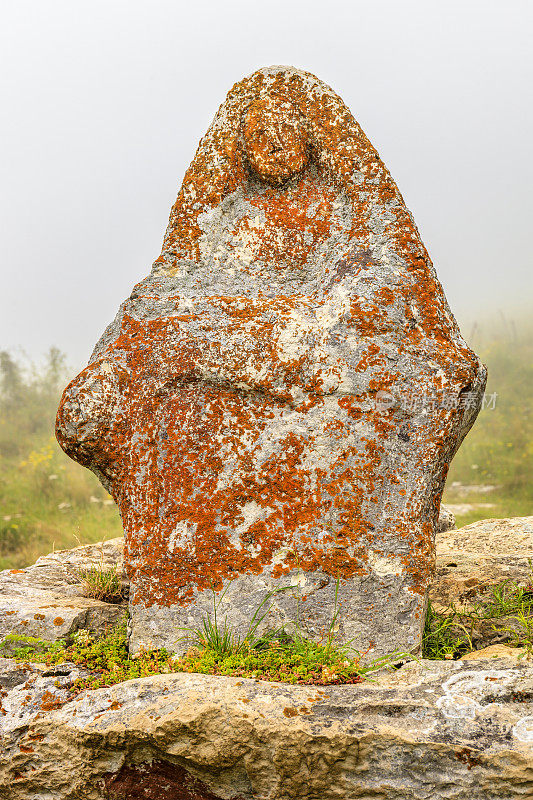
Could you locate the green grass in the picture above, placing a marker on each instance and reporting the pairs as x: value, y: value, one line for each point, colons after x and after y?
x: 445, y: 635
x: 102, y: 583
x: 499, y: 449
x: 47, y: 501
x: 278, y: 656
x: 274, y: 655
x: 105, y: 657
x: 290, y: 659
x: 504, y: 612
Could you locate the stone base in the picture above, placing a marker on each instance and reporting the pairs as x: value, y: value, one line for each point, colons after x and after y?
x: 313, y: 604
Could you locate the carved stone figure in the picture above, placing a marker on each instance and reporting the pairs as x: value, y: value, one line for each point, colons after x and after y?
x: 276, y: 405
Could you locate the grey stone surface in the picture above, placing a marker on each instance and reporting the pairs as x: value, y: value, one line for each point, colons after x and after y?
x: 480, y: 555
x: 428, y: 731
x: 446, y: 520
x: 277, y: 403
x: 46, y: 600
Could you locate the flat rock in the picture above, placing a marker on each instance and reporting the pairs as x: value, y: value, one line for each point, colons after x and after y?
x: 275, y: 407
x: 428, y: 731
x: 46, y: 600
x: 498, y: 651
x: 57, y: 571
x: 482, y: 554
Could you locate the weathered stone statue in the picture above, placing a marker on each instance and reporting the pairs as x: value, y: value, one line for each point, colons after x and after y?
x: 278, y: 402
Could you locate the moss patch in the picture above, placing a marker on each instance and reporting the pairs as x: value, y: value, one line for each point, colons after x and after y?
x: 106, y: 657
x: 283, y: 658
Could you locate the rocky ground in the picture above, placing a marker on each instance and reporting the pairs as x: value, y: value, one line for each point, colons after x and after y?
x: 431, y: 729
x: 47, y: 599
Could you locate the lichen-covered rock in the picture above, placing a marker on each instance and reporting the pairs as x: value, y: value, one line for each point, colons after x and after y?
x: 446, y: 521
x: 428, y: 731
x: 276, y: 405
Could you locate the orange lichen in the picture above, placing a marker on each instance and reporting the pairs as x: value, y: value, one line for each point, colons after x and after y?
x: 275, y: 142
x: 50, y: 701
x: 192, y: 394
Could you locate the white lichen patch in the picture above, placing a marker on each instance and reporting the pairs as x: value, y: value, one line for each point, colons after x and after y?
x: 251, y: 512
x: 385, y: 565
x: 523, y: 730
x: 293, y: 334
x: 467, y: 694
x: 479, y: 685
x: 179, y: 537
x: 299, y: 579
x: 458, y: 706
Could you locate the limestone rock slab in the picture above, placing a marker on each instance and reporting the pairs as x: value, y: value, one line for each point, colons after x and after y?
x: 275, y: 407
x: 46, y: 599
x: 498, y: 651
x: 445, y: 731
x: 482, y: 554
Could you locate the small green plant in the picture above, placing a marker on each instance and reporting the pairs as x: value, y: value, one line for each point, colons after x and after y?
x: 283, y: 657
x: 274, y: 654
x: 445, y: 635
x: 280, y: 658
x: 220, y: 638
x: 106, y: 658
x: 451, y: 632
x: 522, y: 634
x: 507, y: 598
x: 101, y: 583
x: 29, y: 648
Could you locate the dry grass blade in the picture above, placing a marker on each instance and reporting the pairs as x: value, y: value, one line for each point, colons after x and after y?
x: 102, y: 583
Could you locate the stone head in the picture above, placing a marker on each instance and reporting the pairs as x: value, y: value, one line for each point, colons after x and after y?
x: 275, y: 142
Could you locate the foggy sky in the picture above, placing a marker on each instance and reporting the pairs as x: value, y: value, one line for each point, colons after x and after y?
x: 103, y: 104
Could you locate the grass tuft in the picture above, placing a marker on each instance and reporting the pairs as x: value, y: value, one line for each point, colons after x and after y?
x: 101, y: 583
x: 504, y: 614
x: 275, y: 654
